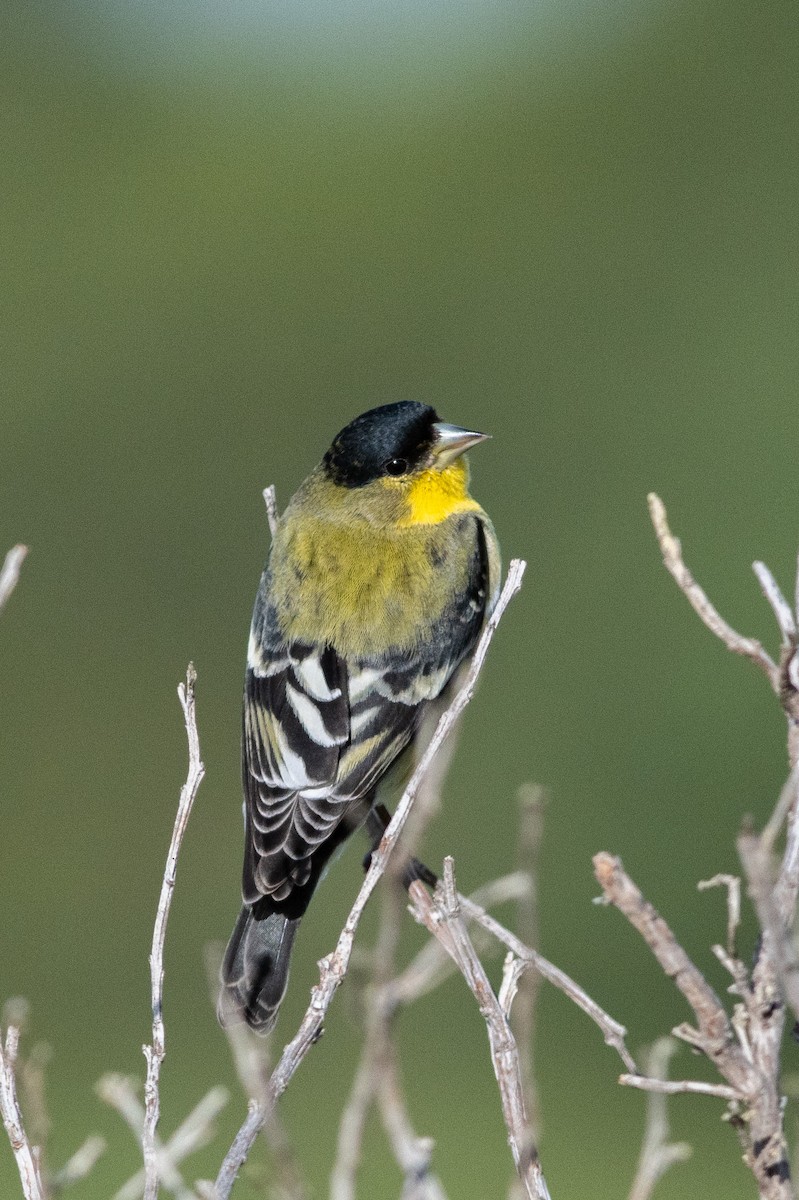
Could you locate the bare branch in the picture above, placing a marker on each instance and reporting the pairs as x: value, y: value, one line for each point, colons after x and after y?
x: 672, y: 559
x: 156, y: 1052
x: 657, y: 1154
x: 334, y: 967
x: 786, y: 801
x: 9, y: 572
x: 513, y: 970
x: 353, y: 1125
x: 378, y: 1077
x: 532, y: 801
x: 119, y: 1092
x: 758, y: 1024
x: 79, y: 1165
x: 380, y: 1061
x: 675, y: 1087
x: 745, y: 1050
x: 614, y: 1033
x: 413, y: 1153
x: 715, y: 1037
x: 31, y: 1079
x: 786, y: 622
x: 196, y: 1131
x: 26, y: 1156
x: 443, y: 919
x: 774, y: 894
x: 270, y: 500
x: 733, y: 886
x: 432, y: 965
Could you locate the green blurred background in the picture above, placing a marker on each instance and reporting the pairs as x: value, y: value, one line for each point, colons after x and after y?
x: 226, y: 231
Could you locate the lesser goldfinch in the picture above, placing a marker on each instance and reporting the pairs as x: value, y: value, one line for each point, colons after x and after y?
x: 381, y: 574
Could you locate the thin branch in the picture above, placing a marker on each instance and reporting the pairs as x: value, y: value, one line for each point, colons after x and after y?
x: 9, y: 572
x: 773, y: 891
x: 196, y: 1131
x: 733, y: 886
x: 377, y: 1078
x: 787, y: 800
x: 156, y: 1052
x: 26, y: 1156
x: 777, y: 938
x: 745, y: 1050
x: 532, y: 801
x: 675, y: 1087
x: 432, y: 965
x: 31, y: 1075
x: 413, y: 1153
x: 442, y: 917
x: 192, y: 1134
x: 513, y: 970
x: 79, y: 1165
x: 657, y: 1153
x: 614, y: 1033
x: 672, y: 559
x: 352, y: 1125
x: 758, y: 1024
x: 786, y: 888
x: 786, y: 622
x: 334, y: 967
x: 270, y: 500
x: 715, y: 1037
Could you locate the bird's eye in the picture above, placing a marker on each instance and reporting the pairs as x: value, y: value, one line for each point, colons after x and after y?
x: 396, y: 466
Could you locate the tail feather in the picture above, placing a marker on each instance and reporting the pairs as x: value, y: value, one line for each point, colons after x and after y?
x: 255, y: 969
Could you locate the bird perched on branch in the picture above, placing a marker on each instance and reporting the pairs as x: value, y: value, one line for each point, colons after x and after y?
x: 382, y: 572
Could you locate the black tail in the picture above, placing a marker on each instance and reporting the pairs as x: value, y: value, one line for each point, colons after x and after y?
x: 255, y: 969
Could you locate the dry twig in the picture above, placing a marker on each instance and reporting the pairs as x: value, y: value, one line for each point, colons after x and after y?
x: 155, y: 1052
x: 657, y: 1153
x: 786, y: 622
x: 28, y: 1073
x: 532, y: 800
x: 26, y: 1156
x: 9, y: 572
x: 270, y: 500
x: 378, y: 1077
x: 673, y: 561
x: 676, y: 1087
x: 614, y: 1033
x: 442, y: 917
x: 79, y: 1165
x: 743, y: 1052
x: 758, y: 1023
x: 194, y: 1132
x: 432, y: 965
x: 714, y: 1035
x: 119, y: 1092
x: 733, y: 885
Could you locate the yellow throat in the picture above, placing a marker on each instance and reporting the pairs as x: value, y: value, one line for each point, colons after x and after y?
x: 435, y: 495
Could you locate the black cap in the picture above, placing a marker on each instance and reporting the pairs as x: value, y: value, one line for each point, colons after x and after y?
x: 390, y: 440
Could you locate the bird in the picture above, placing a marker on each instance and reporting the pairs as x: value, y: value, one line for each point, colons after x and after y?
x: 381, y: 575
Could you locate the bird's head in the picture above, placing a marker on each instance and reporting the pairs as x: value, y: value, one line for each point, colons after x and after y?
x: 400, y: 465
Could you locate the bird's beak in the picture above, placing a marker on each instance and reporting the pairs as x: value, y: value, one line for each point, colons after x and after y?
x: 452, y: 440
